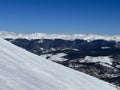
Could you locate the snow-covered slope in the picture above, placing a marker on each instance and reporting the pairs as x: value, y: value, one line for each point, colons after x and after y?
x: 22, y: 70
x: 103, y: 60
x: 89, y: 37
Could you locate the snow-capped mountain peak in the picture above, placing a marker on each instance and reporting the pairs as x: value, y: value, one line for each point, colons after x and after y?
x: 88, y: 37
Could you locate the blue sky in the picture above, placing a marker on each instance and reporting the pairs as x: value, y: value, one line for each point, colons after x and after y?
x: 60, y: 16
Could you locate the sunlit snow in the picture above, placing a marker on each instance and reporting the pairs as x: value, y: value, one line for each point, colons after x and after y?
x: 88, y: 37
x: 22, y: 70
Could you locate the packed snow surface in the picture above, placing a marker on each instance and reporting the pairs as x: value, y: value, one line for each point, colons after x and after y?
x: 88, y: 37
x: 22, y: 70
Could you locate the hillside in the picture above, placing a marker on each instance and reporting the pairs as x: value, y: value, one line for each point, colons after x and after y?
x: 21, y: 70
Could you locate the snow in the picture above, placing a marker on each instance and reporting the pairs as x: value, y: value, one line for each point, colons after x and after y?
x: 55, y: 57
x: 22, y: 70
x: 88, y: 37
x: 107, y: 65
x: 117, y: 66
x: 105, y: 47
x: 102, y: 59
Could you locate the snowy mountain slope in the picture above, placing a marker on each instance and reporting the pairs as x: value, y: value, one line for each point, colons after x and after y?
x: 88, y: 37
x: 21, y: 70
x: 103, y: 61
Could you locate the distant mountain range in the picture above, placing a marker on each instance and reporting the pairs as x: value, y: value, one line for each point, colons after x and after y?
x: 95, y: 55
x: 88, y: 37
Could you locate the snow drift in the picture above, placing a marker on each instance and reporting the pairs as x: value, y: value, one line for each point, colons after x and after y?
x: 22, y: 70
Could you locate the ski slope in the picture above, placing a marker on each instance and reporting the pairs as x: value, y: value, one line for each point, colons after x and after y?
x: 22, y: 70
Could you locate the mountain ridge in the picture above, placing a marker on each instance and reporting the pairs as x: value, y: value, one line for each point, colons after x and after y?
x: 88, y: 37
